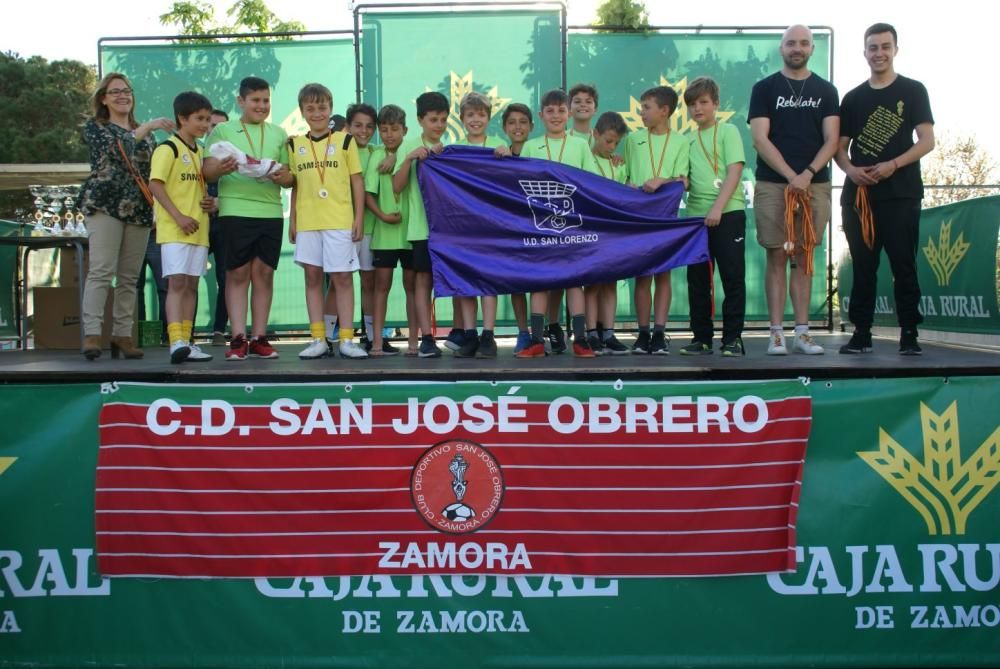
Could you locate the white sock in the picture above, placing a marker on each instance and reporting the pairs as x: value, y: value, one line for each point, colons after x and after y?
x: 777, y: 328
x: 331, y: 326
x: 801, y: 329
x: 369, y: 328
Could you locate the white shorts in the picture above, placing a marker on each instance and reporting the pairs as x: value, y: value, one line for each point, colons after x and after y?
x: 180, y: 258
x: 365, y: 254
x: 333, y: 250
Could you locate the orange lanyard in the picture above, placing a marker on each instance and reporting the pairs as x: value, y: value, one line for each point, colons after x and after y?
x: 196, y: 158
x: 561, y: 149
x: 714, y: 159
x: 139, y: 181
x: 253, y: 151
x: 663, y: 152
x: 611, y: 167
x: 320, y: 164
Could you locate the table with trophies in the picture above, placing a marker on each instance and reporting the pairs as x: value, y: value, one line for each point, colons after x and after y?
x: 55, y: 224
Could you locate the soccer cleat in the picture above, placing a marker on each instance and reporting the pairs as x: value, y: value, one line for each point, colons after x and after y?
x: 861, y: 342
x: 487, y: 346
x: 776, y: 346
x: 614, y: 347
x: 523, y: 340
x: 696, y: 348
x: 179, y: 352
x: 316, y: 350
x: 581, y: 349
x: 428, y: 348
x: 557, y: 338
x: 659, y: 344
x: 197, y: 355
x: 804, y: 343
x: 908, y: 343
x: 733, y: 348
x: 468, y: 348
x: 348, y: 349
x: 239, y: 348
x: 536, y: 349
x: 641, y: 345
x: 260, y: 348
x: 455, y: 339
x: 596, y: 345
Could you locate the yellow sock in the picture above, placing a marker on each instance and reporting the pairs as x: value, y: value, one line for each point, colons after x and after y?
x: 187, y: 327
x: 175, y: 332
x: 317, y: 330
x: 346, y: 334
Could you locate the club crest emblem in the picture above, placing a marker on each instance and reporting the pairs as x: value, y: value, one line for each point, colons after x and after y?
x: 457, y: 486
x: 551, y: 204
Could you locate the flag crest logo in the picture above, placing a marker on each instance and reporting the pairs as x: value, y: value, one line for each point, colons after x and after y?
x: 457, y: 486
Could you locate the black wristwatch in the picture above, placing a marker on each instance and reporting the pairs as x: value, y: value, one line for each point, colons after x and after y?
x: 810, y: 168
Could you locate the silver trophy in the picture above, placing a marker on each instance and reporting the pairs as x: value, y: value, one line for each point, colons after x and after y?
x: 458, y: 511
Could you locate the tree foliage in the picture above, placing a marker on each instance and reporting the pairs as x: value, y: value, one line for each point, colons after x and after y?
x: 958, y: 161
x: 627, y: 14
x: 196, y: 17
x: 42, y: 106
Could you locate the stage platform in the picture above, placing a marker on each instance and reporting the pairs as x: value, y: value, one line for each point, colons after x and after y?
x: 939, y: 360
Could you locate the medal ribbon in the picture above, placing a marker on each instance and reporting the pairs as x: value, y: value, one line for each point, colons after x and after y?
x: 253, y: 151
x: 663, y: 152
x: 320, y: 165
x: 561, y: 149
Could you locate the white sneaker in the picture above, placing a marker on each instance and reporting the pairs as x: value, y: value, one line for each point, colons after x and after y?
x: 197, y: 355
x: 348, y: 349
x: 777, y: 344
x: 179, y: 352
x: 804, y: 344
x: 317, y: 349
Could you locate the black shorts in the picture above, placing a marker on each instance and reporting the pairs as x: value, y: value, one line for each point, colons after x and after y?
x: 389, y: 258
x: 245, y: 238
x: 421, y: 256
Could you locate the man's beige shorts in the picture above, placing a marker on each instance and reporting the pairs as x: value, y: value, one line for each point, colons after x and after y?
x: 769, y: 213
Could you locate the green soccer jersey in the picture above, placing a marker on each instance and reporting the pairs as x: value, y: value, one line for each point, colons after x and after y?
x: 244, y: 196
x: 648, y: 156
x: 712, y: 151
x: 365, y: 154
x: 611, y: 171
x: 567, y: 150
x: 489, y: 143
x: 387, y: 236
x: 411, y: 200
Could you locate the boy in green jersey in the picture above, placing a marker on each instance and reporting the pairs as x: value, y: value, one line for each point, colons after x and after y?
x: 582, y: 107
x: 517, y: 125
x: 432, y: 115
x: 716, y: 192
x: 557, y: 145
x: 602, y: 299
x: 655, y: 156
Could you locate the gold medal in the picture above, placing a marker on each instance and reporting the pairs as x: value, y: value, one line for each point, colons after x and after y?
x: 324, y: 193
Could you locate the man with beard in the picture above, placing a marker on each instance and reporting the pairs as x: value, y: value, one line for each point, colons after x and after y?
x: 795, y: 123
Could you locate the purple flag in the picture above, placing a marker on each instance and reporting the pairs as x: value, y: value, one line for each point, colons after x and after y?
x: 515, y: 225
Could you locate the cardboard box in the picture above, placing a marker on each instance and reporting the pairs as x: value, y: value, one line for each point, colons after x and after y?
x: 68, y: 275
x: 57, y: 318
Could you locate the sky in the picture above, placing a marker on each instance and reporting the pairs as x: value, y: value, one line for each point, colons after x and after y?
x: 954, y: 61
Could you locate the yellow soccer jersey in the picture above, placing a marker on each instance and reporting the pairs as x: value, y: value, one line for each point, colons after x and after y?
x: 323, y: 169
x: 178, y: 166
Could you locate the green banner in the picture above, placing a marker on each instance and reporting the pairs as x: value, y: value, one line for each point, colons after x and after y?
x: 958, y: 256
x: 898, y: 557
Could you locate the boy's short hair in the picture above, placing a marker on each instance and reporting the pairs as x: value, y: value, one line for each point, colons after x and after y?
x: 391, y: 114
x: 664, y: 96
x: 431, y: 101
x: 584, y: 88
x: 611, y: 121
x: 879, y: 28
x: 556, y: 96
x: 315, y: 93
x: 250, y: 84
x: 360, y: 108
x: 219, y: 112
x: 188, y: 103
x: 701, y: 86
x: 475, y: 100
x: 519, y: 108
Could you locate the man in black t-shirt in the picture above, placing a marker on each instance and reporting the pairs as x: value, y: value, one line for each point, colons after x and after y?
x: 883, y: 189
x: 794, y: 120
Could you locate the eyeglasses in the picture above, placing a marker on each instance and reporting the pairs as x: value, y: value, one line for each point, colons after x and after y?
x: 119, y: 92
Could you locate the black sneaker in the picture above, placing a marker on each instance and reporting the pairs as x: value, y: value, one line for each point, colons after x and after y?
x: 733, y: 348
x: 487, y: 346
x: 614, y: 347
x: 908, y: 343
x: 365, y: 343
x: 659, y: 344
x: 557, y: 338
x: 596, y: 344
x: 455, y: 340
x: 468, y: 348
x: 861, y: 342
x: 428, y: 348
x: 389, y: 349
x: 696, y: 348
x: 641, y: 345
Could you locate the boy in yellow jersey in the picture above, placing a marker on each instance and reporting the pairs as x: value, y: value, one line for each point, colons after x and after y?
x: 557, y: 145
x: 181, y: 214
x: 389, y: 245
x: 432, y: 115
x: 329, y: 205
x: 655, y: 156
x: 475, y: 110
x: 517, y: 125
x: 716, y: 193
x: 602, y: 299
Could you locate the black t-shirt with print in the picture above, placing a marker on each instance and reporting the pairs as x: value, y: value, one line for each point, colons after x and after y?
x: 796, y: 110
x: 880, y: 124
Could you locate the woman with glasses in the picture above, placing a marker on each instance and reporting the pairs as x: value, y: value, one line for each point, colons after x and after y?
x: 116, y: 201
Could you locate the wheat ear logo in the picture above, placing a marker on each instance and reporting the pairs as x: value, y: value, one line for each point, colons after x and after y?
x: 943, y: 489
x: 6, y: 462
x: 944, y: 256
